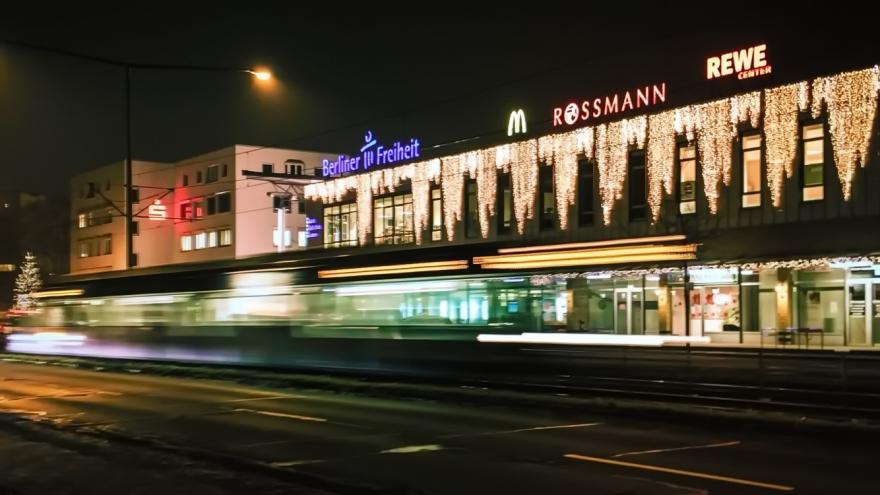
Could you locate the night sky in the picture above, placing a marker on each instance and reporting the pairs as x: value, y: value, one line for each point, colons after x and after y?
x: 444, y: 74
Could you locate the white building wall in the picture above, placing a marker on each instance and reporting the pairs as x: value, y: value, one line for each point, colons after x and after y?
x: 254, y: 219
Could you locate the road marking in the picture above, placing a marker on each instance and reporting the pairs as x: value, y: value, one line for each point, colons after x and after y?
x: 412, y: 449
x: 690, y: 447
x: 521, y: 430
x: 682, y: 472
x: 274, y: 397
x: 295, y: 463
x: 282, y: 415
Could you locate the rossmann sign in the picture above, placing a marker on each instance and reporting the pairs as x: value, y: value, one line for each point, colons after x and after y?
x: 593, y: 108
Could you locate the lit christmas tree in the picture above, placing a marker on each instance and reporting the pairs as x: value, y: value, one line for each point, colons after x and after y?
x: 27, y: 282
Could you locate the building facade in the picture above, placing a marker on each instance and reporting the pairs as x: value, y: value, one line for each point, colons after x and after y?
x: 203, y: 208
x: 732, y: 220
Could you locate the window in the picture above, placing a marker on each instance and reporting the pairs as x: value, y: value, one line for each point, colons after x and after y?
x: 267, y: 168
x: 83, y: 249
x: 90, y: 190
x: 225, y: 237
x: 814, y: 162
x: 135, y: 195
x: 186, y: 242
x: 504, y: 209
x: 212, y: 174
x: 751, y: 161
x: 301, y: 207
x: 436, y: 214
x: 471, y: 220
x: 198, y: 207
x: 546, y: 198
x: 212, y: 238
x: 687, y: 180
x: 638, y: 197
x: 201, y: 239
x: 81, y: 220
x: 393, y: 220
x: 185, y: 180
x: 302, y: 238
x: 224, y: 203
x: 95, y: 217
x: 586, y: 193
x: 198, y: 177
x: 224, y: 170
x: 186, y: 210
x: 293, y: 167
x: 287, y: 239
x: 212, y: 204
x: 340, y: 225
x: 106, y: 245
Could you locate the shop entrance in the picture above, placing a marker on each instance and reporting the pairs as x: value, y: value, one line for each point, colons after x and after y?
x: 863, y: 314
x: 629, y: 310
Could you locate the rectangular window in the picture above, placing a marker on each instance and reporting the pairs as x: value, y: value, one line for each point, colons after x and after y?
x: 814, y: 162
x: 751, y: 160
x: 340, y: 225
x: 687, y: 180
x: 301, y: 207
x: 212, y: 174
x: 638, y: 197
x: 224, y: 202
x: 201, y: 239
x: 267, y: 168
x: 81, y: 220
x: 186, y: 210
x: 586, y: 193
x: 186, y: 242
x: 225, y: 237
x: 90, y: 190
x: 393, y: 220
x: 185, y: 180
x: 436, y: 214
x: 198, y: 207
x: 212, y: 238
x: 547, y: 205
x: 212, y: 204
x: 224, y: 170
x: 471, y: 220
x: 504, y: 208
x: 198, y: 177
x: 83, y: 249
x: 287, y: 240
x: 302, y: 238
x: 293, y: 167
x: 106, y: 244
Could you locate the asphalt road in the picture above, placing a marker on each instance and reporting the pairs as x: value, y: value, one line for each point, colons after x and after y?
x: 410, y: 446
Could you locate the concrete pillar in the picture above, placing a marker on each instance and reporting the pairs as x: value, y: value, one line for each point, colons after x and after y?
x: 783, y: 289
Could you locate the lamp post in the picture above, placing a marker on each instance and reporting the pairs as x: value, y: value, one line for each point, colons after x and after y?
x: 127, y: 67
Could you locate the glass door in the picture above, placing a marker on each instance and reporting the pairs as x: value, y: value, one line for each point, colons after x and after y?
x: 858, y: 322
x: 628, y: 311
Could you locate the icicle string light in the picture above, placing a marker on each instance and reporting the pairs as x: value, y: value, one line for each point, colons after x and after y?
x: 524, y: 180
x: 781, y: 131
x: 849, y: 100
x: 660, y: 158
x: 452, y: 183
x: 745, y: 108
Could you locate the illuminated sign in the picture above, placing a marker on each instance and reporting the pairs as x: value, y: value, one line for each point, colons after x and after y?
x: 157, y: 211
x: 372, y: 155
x: 745, y: 63
x: 516, y: 123
x: 609, y: 105
x: 313, y: 227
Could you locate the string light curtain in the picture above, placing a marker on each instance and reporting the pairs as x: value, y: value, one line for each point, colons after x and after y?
x: 660, y: 157
x: 850, y: 100
x: 781, y: 131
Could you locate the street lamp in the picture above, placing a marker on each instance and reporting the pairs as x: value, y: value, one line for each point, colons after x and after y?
x: 260, y: 74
